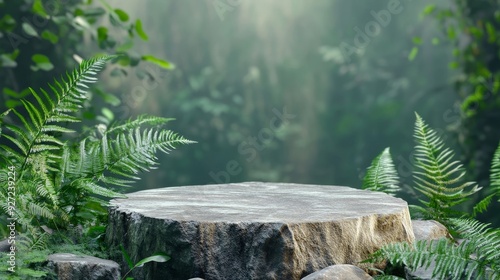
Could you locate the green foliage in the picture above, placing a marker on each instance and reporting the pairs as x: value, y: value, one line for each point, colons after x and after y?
x: 59, y: 28
x: 29, y: 261
x: 158, y: 257
x: 438, y: 176
x: 382, y: 175
x: 60, y: 182
x: 477, y: 257
x: 495, y: 172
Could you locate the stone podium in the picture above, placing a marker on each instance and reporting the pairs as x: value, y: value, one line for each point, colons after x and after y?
x: 253, y: 230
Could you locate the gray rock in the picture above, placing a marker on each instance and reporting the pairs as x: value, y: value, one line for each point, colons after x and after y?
x: 253, y: 230
x: 429, y: 230
x: 426, y: 230
x: 339, y: 272
x: 5, y: 246
x: 74, y: 267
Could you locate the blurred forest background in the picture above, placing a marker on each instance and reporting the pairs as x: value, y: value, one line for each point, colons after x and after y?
x: 290, y: 90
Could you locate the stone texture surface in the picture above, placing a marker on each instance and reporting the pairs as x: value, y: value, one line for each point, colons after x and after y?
x: 339, y: 272
x: 429, y: 230
x: 5, y: 246
x: 253, y: 230
x: 74, y: 267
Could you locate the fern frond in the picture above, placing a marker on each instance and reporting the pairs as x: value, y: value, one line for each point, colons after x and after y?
x: 117, y: 158
x: 451, y: 261
x: 495, y: 172
x: 138, y: 122
x: 39, y: 210
x: 45, y: 111
x: 437, y: 175
x: 382, y: 175
x: 484, y: 240
x: 477, y: 257
x: 482, y: 205
x: 94, y: 189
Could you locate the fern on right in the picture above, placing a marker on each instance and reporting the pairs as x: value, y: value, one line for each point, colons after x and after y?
x: 477, y: 257
x: 438, y: 176
x: 495, y: 172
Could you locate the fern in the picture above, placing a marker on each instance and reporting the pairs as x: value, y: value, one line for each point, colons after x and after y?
x: 476, y: 258
x: 495, y: 172
x: 34, y: 137
x: 381, y: 175
x: 61, y: 182
x: 438, y: 176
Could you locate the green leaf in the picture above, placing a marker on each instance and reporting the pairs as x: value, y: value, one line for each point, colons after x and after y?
x: 7, y: 61
x: 491, y: 32
x: 28, y: 29
x: 38, y: 8
x: 140, y: 31
x: 413, y: 53
x: 12, y: 103
x: 10, y: 92
x: 452, y: 34
x: 127, y: 257
x: 93, y: 12
x: 435, y: 41
x: 102, y: 34
x: 81, y: 21
x: 382, y: 175
x: 122, y: 15
x: 125, y: 46
x: 162, y: 63
x: 108, y: 113
x: 109, y: 97
x: 429, y: 9
x: 417, y: 40
x: 454, y: 65
x: 42, y: 62
x: 160, y: 257
x: 49, y: 36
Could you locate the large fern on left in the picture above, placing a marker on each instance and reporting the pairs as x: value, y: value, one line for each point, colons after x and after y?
x: 59, y: 180
x: 33, y: 147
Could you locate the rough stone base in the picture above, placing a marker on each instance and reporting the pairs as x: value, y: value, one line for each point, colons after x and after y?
x: 253, y: 230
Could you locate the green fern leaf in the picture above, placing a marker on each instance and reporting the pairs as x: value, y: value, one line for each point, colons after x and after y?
x: 138, y: 122
x: 382, y: 175
x: 94, y: 189
x: 69, y: 94
x: 495, y: 172
x: 437, y: 175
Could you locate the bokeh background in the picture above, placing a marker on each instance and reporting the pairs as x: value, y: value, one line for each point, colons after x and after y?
x: 347, y: 75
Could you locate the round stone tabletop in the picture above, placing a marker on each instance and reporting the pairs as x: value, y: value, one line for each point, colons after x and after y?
x: 263, y: 202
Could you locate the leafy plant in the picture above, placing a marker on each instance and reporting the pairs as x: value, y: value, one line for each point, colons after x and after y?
x: 477, y: 257
x: 382, y: 175
x: 59, y: 27
x: 495, y: 172
x: 158, y: 257
x: 62, y: 182
x: 438, y: 176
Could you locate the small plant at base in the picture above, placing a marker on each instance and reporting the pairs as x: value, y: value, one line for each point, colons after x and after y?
x: 158, y: 257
